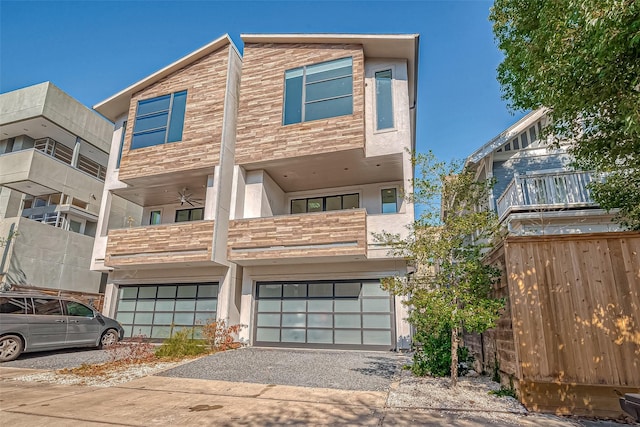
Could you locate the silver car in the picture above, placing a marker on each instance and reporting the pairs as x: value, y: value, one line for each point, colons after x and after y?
x: 34, y: 322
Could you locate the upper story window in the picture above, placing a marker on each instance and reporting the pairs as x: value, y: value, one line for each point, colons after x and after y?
x: 318, y: 91
x: 389, y: 201
x: 122, y: 133
x: 159, y: 120
x: 384, y: 100
x: 195, y: 214
x: 327, y: 203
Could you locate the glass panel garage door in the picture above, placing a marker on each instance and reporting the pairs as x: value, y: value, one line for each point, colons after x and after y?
x: 150, y: 310
x: 324, y: 314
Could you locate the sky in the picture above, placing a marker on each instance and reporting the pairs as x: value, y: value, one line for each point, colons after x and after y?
x: 94, y: 49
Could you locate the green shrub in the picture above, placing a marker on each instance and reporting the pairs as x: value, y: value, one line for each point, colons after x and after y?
x: 182, y: 344
x: 434, y: 356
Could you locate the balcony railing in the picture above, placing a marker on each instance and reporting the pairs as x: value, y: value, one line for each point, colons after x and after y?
x: 63, y: 153
x: 182, y: 242
x: 546, y: 191
x: 320, y: 235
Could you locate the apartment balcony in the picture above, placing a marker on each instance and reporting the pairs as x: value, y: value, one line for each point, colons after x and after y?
x: 38, y: 172
x: 302, y: 238
x: 183, y: 243
x: 546, y: 191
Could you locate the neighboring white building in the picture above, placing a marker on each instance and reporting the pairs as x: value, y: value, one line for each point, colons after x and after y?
x: 53, y: 158
x: 536, y: 190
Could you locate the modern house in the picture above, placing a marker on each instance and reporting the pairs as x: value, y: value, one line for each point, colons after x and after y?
x: 53, y: 158
x: 162, y: 231
x: 255, y: 199
x: 325, y: 126
x: 536, y: 191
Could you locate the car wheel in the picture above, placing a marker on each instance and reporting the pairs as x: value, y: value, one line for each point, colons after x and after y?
x: 10, y: 347
x: 109, y: 338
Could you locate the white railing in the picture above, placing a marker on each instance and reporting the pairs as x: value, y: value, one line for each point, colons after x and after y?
x: 546, y: 190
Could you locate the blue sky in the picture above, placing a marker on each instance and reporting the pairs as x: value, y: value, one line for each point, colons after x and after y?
x: 93, y: 49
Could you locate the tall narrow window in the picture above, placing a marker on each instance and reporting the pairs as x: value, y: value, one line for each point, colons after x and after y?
x: 159, y: 120
x: 318, y: 91
x: 156, y: 218
x: 389, y: 201
x: 124, y: 131
x: 384, y: 100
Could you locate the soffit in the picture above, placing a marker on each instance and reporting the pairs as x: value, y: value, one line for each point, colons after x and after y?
x: 345, y: 168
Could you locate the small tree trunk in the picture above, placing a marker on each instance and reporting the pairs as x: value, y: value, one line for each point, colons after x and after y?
x: 454, y: 357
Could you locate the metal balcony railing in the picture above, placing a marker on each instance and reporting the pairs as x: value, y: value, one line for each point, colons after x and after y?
x: 546, y: 191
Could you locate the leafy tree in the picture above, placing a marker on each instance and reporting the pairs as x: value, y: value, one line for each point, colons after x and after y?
x: 451, y: 286
x: 580, y: 59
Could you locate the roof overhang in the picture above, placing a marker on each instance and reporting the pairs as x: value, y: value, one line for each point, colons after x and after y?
x: 396, y: 46
x: 116, y: 105
x: 505, y: 136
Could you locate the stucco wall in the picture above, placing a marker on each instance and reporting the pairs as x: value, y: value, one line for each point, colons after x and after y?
x: 45, y: 256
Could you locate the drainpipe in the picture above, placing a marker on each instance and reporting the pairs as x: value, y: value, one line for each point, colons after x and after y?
x: 5, y: 253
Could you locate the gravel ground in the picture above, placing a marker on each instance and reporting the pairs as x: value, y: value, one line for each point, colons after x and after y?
x: 346, y: 370
x: 110, y: 379
x: 58, y: 359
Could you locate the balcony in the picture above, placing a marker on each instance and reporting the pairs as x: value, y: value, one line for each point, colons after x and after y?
x: 546, y: 191
x: 36, y: 172
x: 164, y: 244
x: 310, y: 237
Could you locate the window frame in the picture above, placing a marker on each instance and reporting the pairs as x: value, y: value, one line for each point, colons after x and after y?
x: 151, y: 212
x: 382, y: 203
x: 324, y: 203
x: 303, y: 99
x: 167, y: 126
x: 375, y: 71
x: 121, y: 147
x: 190, y: 210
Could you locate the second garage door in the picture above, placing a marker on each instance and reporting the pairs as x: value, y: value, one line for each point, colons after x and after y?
x: 356, y: 314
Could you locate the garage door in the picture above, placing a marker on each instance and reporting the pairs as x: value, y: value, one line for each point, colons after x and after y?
x: 324, y: 314
x: 150, y: 310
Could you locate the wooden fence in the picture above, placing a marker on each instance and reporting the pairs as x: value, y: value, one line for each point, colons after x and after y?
x: 575, y: 311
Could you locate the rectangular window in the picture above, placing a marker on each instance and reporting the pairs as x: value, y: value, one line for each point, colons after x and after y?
x: 384, y: 100
x: 328, y: 203
x: 124, y: 131
x: 318, y: 91
x: 516, y: 144
x: 155, y: 218
x: 389, y: 201
x: 533, y: 134
x: 159, y: 120
x: 189, y: 215
x: 523, y: 140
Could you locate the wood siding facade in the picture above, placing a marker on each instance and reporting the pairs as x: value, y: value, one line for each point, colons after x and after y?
x: 205, y: 81
x: 261, y: 136
x: 323, y: 234
x: 160, y: 244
